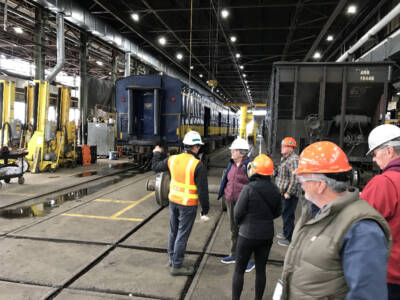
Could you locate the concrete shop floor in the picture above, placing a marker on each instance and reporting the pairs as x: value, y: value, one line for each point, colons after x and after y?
x: 112, y: 244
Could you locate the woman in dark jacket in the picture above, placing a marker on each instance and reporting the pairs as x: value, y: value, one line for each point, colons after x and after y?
x: 258, y: 205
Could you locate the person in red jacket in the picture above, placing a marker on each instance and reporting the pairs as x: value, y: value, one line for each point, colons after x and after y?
x: 383, y: 193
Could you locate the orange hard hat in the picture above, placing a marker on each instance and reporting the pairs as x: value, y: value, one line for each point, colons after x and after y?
x: 323, y: 157
x: 289, y: 142
x: 263, y: 165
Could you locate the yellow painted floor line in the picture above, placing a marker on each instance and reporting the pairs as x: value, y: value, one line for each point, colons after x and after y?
x: 114, y: 201
x: 103, y: 217
x: 132, y: 205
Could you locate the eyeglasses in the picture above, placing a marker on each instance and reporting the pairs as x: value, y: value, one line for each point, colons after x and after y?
x: 375, y: 152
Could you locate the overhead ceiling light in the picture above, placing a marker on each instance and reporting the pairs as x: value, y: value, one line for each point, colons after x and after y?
x: 351, y: 9
x: 162, y: 41
x: 329, y: 38
x: 3, y: 56
x: 233, y: 38
x: 135, y: 17
x: 241, y: 67
x: 191, y: 67
x: 317, y: 55
x: 244, y: 75
x: 245, y: 81
x: 224, y: 13
x: 18, y: 30
x: 237, y: 55
x: 217, y: 91
x: 201, y: 75
x: 100, y: 63
x: 179, y: 56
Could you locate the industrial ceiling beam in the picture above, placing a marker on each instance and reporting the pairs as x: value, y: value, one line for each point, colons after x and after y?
x: 324, y: 30
x: 277, y: 5
x: 293, y: 25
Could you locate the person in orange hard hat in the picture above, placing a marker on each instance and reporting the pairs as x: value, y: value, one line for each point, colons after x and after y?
x: 258, y: 205
x: 288, y: 187
x: 328, y: 253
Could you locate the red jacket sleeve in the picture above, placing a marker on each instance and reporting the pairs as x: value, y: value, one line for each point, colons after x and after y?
x: 381, y: 194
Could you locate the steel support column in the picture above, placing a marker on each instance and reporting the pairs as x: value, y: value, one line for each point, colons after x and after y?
x: 127, y: 64
x: 295, y: 88
x: 114, y: 66
x: 343, y: 107
x: 41, y: 17
x: 83, y: 100
x: 322, y: 96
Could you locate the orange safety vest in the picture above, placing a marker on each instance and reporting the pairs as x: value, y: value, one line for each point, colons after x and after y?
x: 182, y: 189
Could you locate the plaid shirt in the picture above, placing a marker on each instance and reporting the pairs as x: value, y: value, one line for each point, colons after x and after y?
x: 286, y: 179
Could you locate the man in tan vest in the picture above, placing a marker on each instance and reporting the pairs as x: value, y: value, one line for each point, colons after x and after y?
x: 188, y: 187
x: 342, y: 252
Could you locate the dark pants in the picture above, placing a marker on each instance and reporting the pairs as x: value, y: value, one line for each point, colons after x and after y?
x: 288, y: 210
x: 181, y: 223
x: 245, y: 247
x: 394, y: 291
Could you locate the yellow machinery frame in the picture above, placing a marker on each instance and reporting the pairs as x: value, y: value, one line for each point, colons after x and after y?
x: 7, y: 98
x: 61, y: 149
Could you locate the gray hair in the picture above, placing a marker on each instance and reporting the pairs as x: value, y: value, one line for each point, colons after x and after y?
x: 395, y: 144
x: 335, y: 185
x: 243, y: 152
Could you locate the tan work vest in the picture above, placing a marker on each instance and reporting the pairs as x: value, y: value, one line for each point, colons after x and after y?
x: 313, y: 265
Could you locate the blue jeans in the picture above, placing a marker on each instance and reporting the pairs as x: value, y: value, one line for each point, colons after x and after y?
x: 288, y: 210
x: 181, y: 223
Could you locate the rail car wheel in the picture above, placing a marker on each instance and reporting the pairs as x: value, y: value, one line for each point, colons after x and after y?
x: 162, y: 188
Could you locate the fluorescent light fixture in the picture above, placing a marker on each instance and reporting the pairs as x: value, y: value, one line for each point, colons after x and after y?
x: 317, y: 55
x: 224, y: 13
x: 18, y: 30
x: 191, y: 67
x: 351, y: 9
x: 244, y: 75
x: 201, y: 75
x: 233, y: 38
x: 100, y: 63
x: 179, y: 56
x: 237, y: 55
x: 162, y: 41
x: 241, y: 67
x: 329, y: 38
x: 135, y: 17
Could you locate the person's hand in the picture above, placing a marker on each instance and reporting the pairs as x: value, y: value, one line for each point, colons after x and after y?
x: 157, y: 149
x: 286, y: 195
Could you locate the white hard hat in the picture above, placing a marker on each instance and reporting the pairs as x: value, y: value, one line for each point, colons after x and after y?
x: 239, y: 144
x: 383, y: 134
x: 192, y: 138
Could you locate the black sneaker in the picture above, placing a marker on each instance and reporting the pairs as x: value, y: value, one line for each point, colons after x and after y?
x: 182, y: 271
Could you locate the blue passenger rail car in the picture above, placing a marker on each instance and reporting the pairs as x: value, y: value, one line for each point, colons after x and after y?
x: 159, y: 110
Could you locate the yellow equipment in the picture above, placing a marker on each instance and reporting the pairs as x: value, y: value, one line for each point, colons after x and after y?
x: 53, y: 144
x: 28, y: 124
x: 10, y: 128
